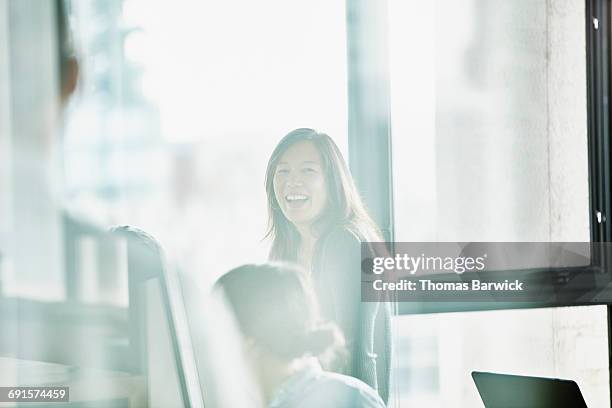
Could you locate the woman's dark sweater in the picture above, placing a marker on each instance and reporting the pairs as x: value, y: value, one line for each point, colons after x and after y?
x: 366, y: 326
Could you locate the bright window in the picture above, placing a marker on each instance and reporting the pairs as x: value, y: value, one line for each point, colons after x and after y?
x: 489, y: 125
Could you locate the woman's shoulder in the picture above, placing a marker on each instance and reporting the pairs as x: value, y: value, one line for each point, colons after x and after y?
x: 329, y: 390
x: 339, y: 240
x: 338, y: 249
x: 343, y: 239
x: 348, y: 391
x: 341, y: 235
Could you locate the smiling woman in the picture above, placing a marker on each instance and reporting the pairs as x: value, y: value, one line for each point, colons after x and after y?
x: 317, y: 219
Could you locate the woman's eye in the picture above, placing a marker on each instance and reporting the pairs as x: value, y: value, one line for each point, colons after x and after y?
x: 282, y: 171
x: 310, y: 170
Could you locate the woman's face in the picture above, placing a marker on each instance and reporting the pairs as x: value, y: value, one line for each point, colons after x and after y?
x: 299, y: 184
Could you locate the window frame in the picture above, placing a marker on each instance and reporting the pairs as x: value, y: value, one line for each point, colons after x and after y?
x: 370, y: 142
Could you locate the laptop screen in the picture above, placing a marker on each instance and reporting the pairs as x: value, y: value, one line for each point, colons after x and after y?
x: 514, y: 391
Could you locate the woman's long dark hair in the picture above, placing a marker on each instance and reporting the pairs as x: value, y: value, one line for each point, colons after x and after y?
x: 344, y: 207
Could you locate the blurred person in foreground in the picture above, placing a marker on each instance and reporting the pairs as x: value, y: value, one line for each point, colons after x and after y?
x: 68, y: 62
x: 277, y: 313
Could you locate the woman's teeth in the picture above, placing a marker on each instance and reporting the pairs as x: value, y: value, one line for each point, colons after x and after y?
x: 296, y: 197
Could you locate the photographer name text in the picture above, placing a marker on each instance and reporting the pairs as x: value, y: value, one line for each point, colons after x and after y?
x: 427, y: 285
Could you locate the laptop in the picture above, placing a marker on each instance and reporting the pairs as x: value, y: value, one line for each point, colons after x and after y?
x: 517, y: 391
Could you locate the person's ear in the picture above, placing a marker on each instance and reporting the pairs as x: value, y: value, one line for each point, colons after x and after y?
x: 70, y: 78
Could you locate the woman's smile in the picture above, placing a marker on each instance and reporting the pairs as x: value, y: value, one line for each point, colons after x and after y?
x: 297, y: 201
